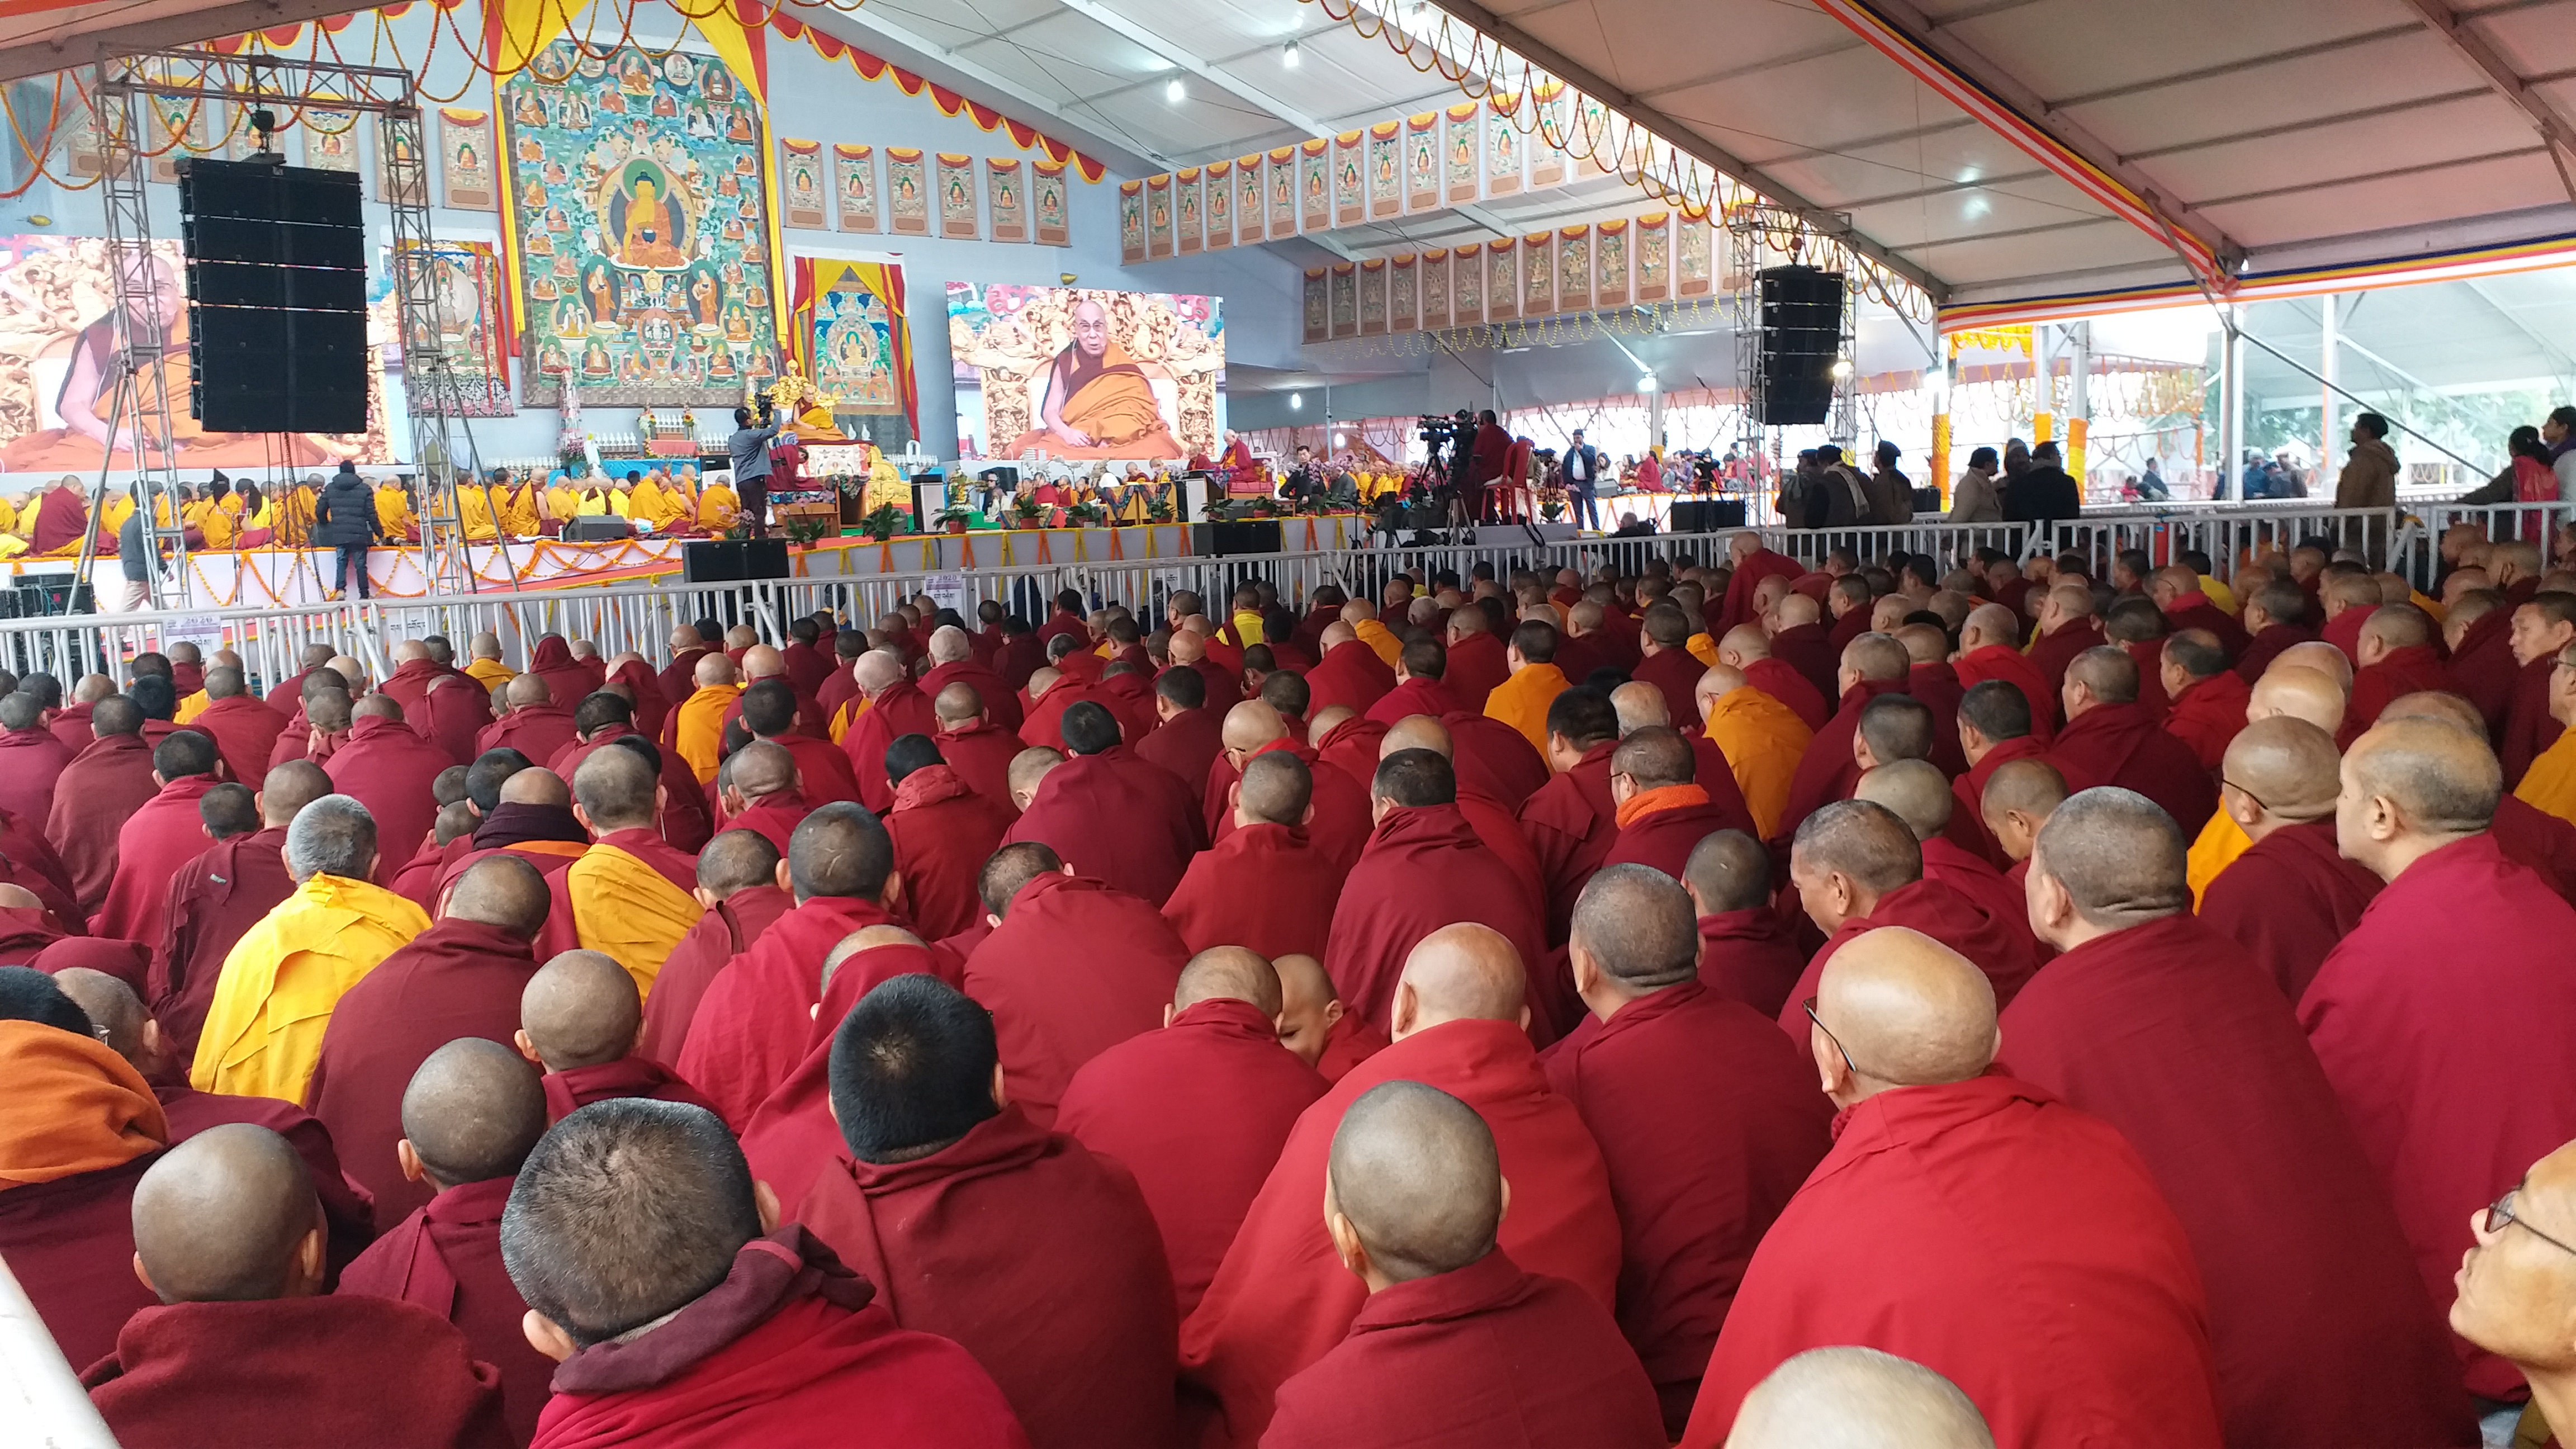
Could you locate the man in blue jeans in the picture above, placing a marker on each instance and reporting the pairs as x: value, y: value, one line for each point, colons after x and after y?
x: 344, y: 519
x: 1582, y: 472
x: 749, y: 448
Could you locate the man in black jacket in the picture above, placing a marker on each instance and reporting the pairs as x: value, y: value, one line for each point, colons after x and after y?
x: 2044, y: 493
x: 344, y: 519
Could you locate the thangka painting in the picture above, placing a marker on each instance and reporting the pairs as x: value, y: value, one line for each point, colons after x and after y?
x: 958, y: 213
x: 1283, y: 192
x: 1654, y: 259
x: 330, y: 138
x: 1610, y: 265
x: 1422, y: 162
x: 1346, y: 300
x: 1131, y: 221
x: 1538, y: 274
x: 800, y: 184
x: 1318, y: 318
x: 1158, y: 215
x: 1502, y: 282
x: 1574, y: 268
x: 1402, y: 307
x: 1053, y: 217
x: 1467, y: 285
x: 1372, y: 298
x: 473, y: 313
x: 1693, y: 276
x: 1220, y: 206
x: 1463, y: 152
x: 855, y: 172
x: 1435, y: 289
x: 1080, y: 373
x: 57, y: 388
x: 1189, y: 226
x: 1004, y: 188
x: 1350, y: 187
x: 465, y: 145
x: 1315, y: 185
x: 1386, y: 175
x: 849, y: 317
x: 907, y: 191
x: 1502, y: 154
x: 182, y: 124
x: 637, y: 197
x: 1546, y: 148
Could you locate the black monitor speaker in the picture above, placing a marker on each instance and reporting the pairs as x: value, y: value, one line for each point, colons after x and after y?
x: 1802, y: 334
x: 277, y: 296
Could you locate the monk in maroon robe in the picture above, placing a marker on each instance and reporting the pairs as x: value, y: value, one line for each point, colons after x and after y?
x: 1188, y: 739
x: 2478, y: 628
x: 1424, y: 869
x: 1477, y: 660
x: 216, y: 1232
x: 1038, y: 1257
x: 461, y: 977
x: 1695, y: 1100
x: 1996, y: 654
x: 2155, y: 1023
x: 685, y: 821
x: 943, y: 833
x: 2275, y: 617
x: 1117, y: 818
x: 785, y: 1341
x: 737, y: 887
x: 1917, y: 794
x: 161, y: 836
x: 1914, y: 1236
x: 979, y: 750
x: 1350, y: 674
x: 963, y: 669
x: 1748, y: 951
x: 1198, y: 1110
x: 96, y: 794
x: 579, y: 1020
x: 388, y: 768
x: 470, y: 1115
x: 537, y: 726
x: 2291, y: 896
x: 1663, y: 810
x: 1456, y: 1347
x: 751, y: 1026
x: 1260, y: 885
x: 1418, y: 690
x: 2454, y: 968
x: 1874, y: 665
x: 1340, y: 825
x: 1074, y: 968
x: 2397, y: 658
x: 245, y: 729
x: 895, y: 708
x: 2541, y: 629
x: 566, y: 680
x: 452, y: 714
x: 2208, y: 698
x: 2111, y: 738
x: 1281, y: 1298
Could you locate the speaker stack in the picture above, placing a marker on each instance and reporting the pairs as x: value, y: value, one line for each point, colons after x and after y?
x: 1802, y: 337
x: 277, y: 297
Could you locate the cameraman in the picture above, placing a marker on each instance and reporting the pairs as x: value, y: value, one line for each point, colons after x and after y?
x: 750, y: 449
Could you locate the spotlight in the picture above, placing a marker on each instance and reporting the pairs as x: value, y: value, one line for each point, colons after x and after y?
x: 1296, y: 402
x: 1341, y: 440
x: 1646, y: 383
x: 1173, y: 91
x: 1842, y: 367
x: 1291, y: 56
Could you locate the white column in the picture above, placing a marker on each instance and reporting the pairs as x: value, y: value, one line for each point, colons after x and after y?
x: 2327, y: 433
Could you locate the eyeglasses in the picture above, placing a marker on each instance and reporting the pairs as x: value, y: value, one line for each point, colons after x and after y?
x: 2248, y: 794
x: 2500, y: 1214
x: 1809, y: 1006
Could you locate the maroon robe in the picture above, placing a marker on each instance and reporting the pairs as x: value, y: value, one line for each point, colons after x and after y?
x: 2084, y: 1324
x: 1968, y: 794
x: 2052, y: 652
x: 2195, y: 611
x: 409, y: 684
x: 30, y: 761
x: 1476, y: 664
x: 355, y: 1369
x: 1424, y: 869
x: 70, y: 1241
x: 214, y: 899
x: 1665, y: 838
x: 1035, y: 1255
x: 686, y: 822
x: 1827, y: 772
x: 389, y: 769
x: 678, y: 679
x: 346, y: 1208
x: 1042, y: 719
x: 750, y: 1027
x: 774, y: 816
x: 2402, y: 672
x: 566, y: 680
x: 1484, y: 1355
x: 2207, y: 715
x: 1075, y: 968
x: 727, y: 930
x: 157, y: 839
x: 2001, y: 948
x: 1750, y: 956
x: 2322, y: 1332
x: 1413, y: 696
x: 1262, y: 888
x: 1736, y: 606
x: 1708, y: 1123
x: 574, y: 1088
x: 446, y: 1258
x: 943, y: 833
x: 2287, y: 900
x: 807, y: 667
x: 999, y: 700
x: 457, y: 979
x: 1198, y: 1112
x: 538, y: 731
x: 1853, y: 623
x: 899, y: 709
x: 981, y: 754
x: 452, y: 717
x: 1188, y: 746
x: 1973, y: 876
x: 1777, y: 679
x: 2122, y: 745
x: 2266, y: 646
x: 2458, y: 966
x: 244, y: 731
x: 2004, y: 662
x: 1351, y: 675
x: 2343, y: 631
x: 1490, y: 758
x: 1936, y: 686
x: 1118, y: 819
x: 1341, y: 825
x: 2482, y: 668
x: 1806, y: 649
x: 1572, y: 826
x: 1352, y: 746
x: 2538, y: 841
x: 71, y: 728
x: 93, y: 798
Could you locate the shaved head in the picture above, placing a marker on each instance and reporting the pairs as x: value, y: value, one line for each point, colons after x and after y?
x: 761, y: 769
x: 581, y: 1009
x: 2032, y: 786
x: 1640, y: 705
x: 1415, y: 1178
x: 501, y: 890
x: 1728, y: 871
x: 1252, y: 724
x: 2315, y: 654
x: 736, y: 860
x: 115, y: 1013
x: 1864, y: 841
x: 1309, y: 1005
x: 2288, y: 765
x: 617, y: 789
x: 226, y: 1217
x: 1656, y: 756
x: 2119, y: 855
x: 1876, y: 658
x: 1229, y: 973
x: 2438, y: 704
x: 1635, y: 925
x: 2440, y: 781
x: 534, y: 786
x: 1465, y: 972
x: 1418, y: 732
x: 1277, y: 787
x: 1915, y: 790
x: 1010, y: 870
x: 2298, y: 693
x: 473, y: 1111
x: 1908, y: 1010
x: 1856, y: 1398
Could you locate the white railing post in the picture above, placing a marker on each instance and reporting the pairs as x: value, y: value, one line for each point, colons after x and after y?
x: 41, y: 1399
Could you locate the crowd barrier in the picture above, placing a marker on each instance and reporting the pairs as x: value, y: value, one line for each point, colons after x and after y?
x: 641, y: 617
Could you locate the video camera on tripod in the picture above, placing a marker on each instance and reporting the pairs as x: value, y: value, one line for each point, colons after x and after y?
x: 1447, y: 439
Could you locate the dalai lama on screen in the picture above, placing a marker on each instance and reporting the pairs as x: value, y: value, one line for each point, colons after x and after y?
x: 1098, y: 402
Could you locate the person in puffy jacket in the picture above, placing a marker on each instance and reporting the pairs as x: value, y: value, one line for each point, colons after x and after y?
x: 344, y: 520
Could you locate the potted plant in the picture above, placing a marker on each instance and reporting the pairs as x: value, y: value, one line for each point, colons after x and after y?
x: 806, y: 532
x: 883, y: 521
x: 1159, y: 511
x: 1086, y: 515
x: 1026, y: 511
x: 954, y: 518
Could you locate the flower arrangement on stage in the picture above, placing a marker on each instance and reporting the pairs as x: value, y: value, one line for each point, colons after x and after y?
x: 1551, y: 501
x: 807, y: 532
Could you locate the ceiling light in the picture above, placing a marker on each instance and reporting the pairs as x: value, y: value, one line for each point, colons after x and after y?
x: 1174, y: 91
x: 1341, y: 440
x: 1646, y: 383
x: 1296, y: 401
x: 1842, y: 367
x: 1290, y: 56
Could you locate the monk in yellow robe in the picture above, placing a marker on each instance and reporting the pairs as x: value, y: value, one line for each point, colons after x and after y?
x: 112, y: 515
x: 1522, y: 700
x: 697, y: 727
x: 1361, y: 615
x: 718, y: 508
x: 475, y: 512
x: 295, y: 516
x: 2286, y: 688
x: 1097, y: 402
x: 486, y: 668
x: 631, y: 894
x: 394, y: 515
x: 9, y: 511
x: 654, y: 503
x: 562, y: 499
x: 1762, y: 739
x: 263, y: 1030
x: 520, y: 514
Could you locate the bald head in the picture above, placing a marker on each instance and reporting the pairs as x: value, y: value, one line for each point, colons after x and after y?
x: 1465, y: 972
x: 1639, y: 705
x: 1654, y: 757
x: 526, y: 690
x: 713, y: 671
x: 1252, y: 724
x: 535, y: 786
x: 957, y: 705
x: 1418, y: 732
x: 1795, y: 610
x: 1866, y: 842
x: 2118, y: 857
x: 1277, y: 789
x: 736, y: 860
x: 875, y: 671
x: 1229, y: 973
x: 289, y: 788
x: 2318, y: 655
x: 115, y: 1013
x: 1907, y: 1010
x: 2419, y: 782
x: 2289, y: 691
x: 1876, y: 659
x: 1915, y: 790
x: 473, y: 1111
x: 2032, y: 787
x: 2438, y: 704
x: 229, y: 1216
x: 1728, y: 871
x: 1634, y: 932
x: 1856, y: 1398
x: 763, y: 661
x: 1743, y: 644
x: 503, y: 891
x: 761, y: 769
x: 581, y: 1009
x: 2288, y: 767
x: 1029, y: 768
x: 1414, y: 1181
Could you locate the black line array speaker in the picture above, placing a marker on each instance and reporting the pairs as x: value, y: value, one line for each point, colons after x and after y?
x: 1709, y: 515
x: 1802, y: 334
x: 277, y: 297
x: 733, y: 560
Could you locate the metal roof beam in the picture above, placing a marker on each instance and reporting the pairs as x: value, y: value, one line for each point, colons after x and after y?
x: 38, y: 54
x: 2474, y: 48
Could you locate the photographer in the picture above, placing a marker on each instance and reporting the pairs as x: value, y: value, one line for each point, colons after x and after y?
x: 1305, y: 481
x: 750, y: 449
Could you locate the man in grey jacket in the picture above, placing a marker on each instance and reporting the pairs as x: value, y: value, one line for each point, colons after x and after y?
x: 750, y: 449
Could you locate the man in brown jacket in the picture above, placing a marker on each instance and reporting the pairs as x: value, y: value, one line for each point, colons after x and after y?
x: 2369, y: 478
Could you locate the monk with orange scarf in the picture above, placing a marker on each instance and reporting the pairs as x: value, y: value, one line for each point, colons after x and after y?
x: 1098, y: 402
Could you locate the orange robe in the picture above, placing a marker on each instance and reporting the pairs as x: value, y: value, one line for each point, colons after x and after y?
x: 2550, y: 783
x: 2220, y: 842
x: 626, y: 899
x: 1380, y: 640
x: 1763, y: 740
x: 1522, y: 700
x: 698, y: 728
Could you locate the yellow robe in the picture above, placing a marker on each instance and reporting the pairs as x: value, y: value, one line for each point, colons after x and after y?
x: 113, y: 516
x: 718, y: 508
x: 564, y: 502
x: 295, y: 518
x: 263, y: 1031
x: 1763, y: 740
x: 662, y: 507
x: 1381, y: 641
x: 191, y: 707
x: 1703, y: 649
x: 393, y: 512
x: 2550, y: 783
x: 699, y: 730
x: 1522, y: 700
x: 9, y: 516
x: 626, y: 908
x: 474, y: 512
x: 1247, y: 629
x: 491, y: 673
x: 519, y: 512
x: 2220, y: 842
